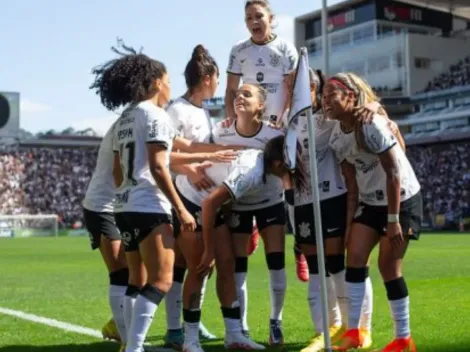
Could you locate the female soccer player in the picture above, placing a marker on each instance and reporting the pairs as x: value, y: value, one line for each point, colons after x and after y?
x: 104, y: 234
x: 145, y: 196
x: 389, y: 212
x: 270, y: 61
x: 192, y: 122
x: 250, y: 130
x: 237, y: 181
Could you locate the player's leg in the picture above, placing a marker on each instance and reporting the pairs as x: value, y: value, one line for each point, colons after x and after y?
x: 301, y: 266
x: 226, y: 292
x: 253, y: 243
x: 156, y: 242
x: 362, y: 239
x: 271, y: 223
x: 192, y: 247
x: 390, y: 263
x: 241, y: 226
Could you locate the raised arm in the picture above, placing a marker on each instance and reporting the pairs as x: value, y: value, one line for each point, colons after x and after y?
x: 233, y: 81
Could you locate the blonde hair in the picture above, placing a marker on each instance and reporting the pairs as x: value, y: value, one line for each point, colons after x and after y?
x: 364, y: 95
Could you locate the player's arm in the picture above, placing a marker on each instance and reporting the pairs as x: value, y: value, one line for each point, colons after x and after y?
x: 187, y: 146
x: 117, y: 171
x: 233, y: 81
x: 349, y: 173
x: 221, y: 156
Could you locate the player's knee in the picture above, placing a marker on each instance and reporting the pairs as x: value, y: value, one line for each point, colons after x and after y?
x: 356, y: 275
x: 357, y: 258
x: 335, y: 263
x: 312, y: 263
x: 276, y: 260
x: 241, y: 264
x: 389, y: 269
x: 119, y: 277
x: 178, y: 274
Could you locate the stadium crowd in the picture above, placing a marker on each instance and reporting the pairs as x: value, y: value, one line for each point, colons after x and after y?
x: 54, y: 181
x: 457, y: 75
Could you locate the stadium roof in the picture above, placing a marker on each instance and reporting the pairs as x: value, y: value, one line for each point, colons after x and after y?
x: 457, y: 7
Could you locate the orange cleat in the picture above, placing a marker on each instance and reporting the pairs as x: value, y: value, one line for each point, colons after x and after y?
x: 301, y: 267
x: 352, y: 339
x: 254, y: 240
x: 400, y: 345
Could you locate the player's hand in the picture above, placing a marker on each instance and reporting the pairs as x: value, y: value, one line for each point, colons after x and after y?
x: 364, y: 115
x: 187, y: 221
x: 197, y: 176
x: 227, y: 122
x: 207, y: 262
x: 395, y: 235
x: 223, y: 156
x: 393, y: 127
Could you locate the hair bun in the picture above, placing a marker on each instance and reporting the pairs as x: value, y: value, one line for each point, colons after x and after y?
x: 199, y: 52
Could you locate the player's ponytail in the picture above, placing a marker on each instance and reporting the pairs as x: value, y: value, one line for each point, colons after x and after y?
x: 200, y: 65
x: 274, y: 151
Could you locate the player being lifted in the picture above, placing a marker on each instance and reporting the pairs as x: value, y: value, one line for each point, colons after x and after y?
x: 104, y: 234
x: 389, y: 212
x: 270, y: 61
x: 192, y: 122
x: 143, y: 139
x: 250, y: 130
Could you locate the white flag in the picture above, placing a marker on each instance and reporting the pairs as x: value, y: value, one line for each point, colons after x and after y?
x: 300, y: 102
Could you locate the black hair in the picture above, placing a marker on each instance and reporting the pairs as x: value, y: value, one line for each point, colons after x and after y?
x: 274, y: 151
x: 128, y: 79
x: 201, y: 64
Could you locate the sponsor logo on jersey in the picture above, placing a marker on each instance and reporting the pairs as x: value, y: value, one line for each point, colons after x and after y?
x: 275, y: 59
x: 260, y: 63
x: 260, y: 77
x: 379, y: 195
x: 363, y: 167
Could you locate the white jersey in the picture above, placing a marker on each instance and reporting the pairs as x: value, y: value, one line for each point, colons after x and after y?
x: 370, y: 176
x: 100, y: 193
x: 243, y: 178
x: 272, y: 190
x: 137, y: 126
x: 266, y: 65
x: 330, y: 178
x: 190, y: 121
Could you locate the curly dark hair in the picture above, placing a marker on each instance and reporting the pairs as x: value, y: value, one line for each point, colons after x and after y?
x: 201, y: 64
x: 128, y: 79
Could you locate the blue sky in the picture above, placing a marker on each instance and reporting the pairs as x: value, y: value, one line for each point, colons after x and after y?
x: 50, y: 46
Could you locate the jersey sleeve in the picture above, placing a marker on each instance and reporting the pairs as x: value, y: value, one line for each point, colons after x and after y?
x: 234, y: 65
x: 377, y: 136
x: 158, y: 128
x: 178, y: 122
x: 240, y: 181
x: 291, y: 58
x: 114, y: 140
x: 216, y: 130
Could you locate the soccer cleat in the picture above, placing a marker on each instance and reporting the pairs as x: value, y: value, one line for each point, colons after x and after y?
x: 192, y: 346
x: 204, y: 334
x: 174, y: 339
x: 241, y: 342
x: 254, y: 240
x: 301, y: 267
x: 400, y: 345
x: 276, y: 336
x: 367, y: 335
x: 246, y: 333
x: 318, y: 342
x: 110, y: 331
x: 352, y: 339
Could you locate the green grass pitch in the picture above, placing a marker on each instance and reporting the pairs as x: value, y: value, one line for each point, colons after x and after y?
x: 61, y: 278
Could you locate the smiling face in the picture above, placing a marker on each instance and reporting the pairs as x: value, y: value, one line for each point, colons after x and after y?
x: 258, y: 19
x: 337, y: 102
x: 249, y: 101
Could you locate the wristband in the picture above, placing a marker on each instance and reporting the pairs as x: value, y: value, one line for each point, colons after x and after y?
x: 393, y: 218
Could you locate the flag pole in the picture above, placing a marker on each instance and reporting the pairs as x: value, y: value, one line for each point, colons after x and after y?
x: 318, y: 225
x: 324, y: 31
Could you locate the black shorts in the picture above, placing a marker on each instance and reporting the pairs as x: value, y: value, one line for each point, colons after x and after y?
x: 411, y: 215
x: 196, y: 211
x: 99, y: 224
x: 242, y: 221
x: 333, y: 219
x: 135, y: 227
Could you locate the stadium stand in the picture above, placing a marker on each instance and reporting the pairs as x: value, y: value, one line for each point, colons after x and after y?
x: 457, y: 75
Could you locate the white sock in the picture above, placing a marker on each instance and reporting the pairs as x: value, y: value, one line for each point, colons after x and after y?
x: 129, y: 303
x: 192, y: 318
x: 173, y: 300
x: 333, y: 306
x: 314, y: 302
x: 400, y: 309
x: 145, y: 306
x: 116, y: 295
x: 356, y: 293
x: 367, y: 307
x: 277, y: 285
x: 232, y: 324
x: 242, y: 295
x: 341, y: 294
